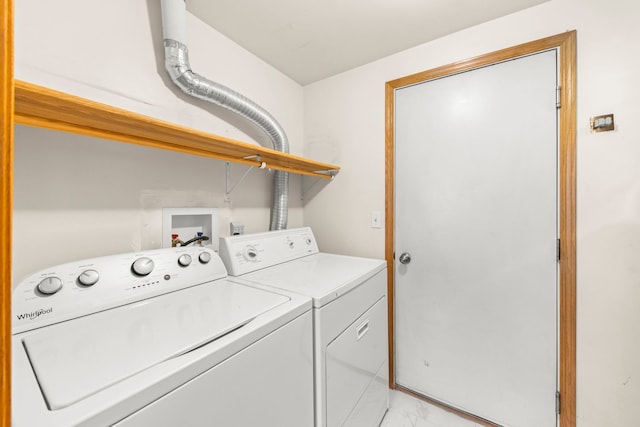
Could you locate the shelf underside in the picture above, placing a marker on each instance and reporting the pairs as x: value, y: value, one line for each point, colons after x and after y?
x: 43, y: 107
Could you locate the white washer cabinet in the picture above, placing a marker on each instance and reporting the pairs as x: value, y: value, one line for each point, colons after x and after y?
x: 159, y: 338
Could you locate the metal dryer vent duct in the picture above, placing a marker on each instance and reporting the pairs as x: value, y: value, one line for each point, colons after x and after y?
x: 174, y: 19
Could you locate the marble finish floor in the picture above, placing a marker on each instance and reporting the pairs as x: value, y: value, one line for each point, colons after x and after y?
x: 407, y: 411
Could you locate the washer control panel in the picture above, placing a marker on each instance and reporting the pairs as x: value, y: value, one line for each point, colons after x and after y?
x: 250, y: 252
x: 83, y: 287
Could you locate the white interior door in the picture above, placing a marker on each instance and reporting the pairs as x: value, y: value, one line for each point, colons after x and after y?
x: 476, y: 208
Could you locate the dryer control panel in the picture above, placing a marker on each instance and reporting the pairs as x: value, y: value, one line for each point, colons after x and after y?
x: 84, y: 287
x: 251, y: 252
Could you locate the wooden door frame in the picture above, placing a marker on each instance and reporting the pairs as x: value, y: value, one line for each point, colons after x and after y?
x: 6, y: 204
x: 566, y: 44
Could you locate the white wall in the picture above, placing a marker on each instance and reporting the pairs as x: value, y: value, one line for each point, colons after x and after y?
x: 78, y: 197
x: 344, y: 124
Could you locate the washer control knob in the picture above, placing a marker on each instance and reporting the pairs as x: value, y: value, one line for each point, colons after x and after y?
x: 184, y: 260
x: 204, y: 257
x: 50, y: 285
x: 88, y: 278
x: 250, y: 253
x: 142, y: 266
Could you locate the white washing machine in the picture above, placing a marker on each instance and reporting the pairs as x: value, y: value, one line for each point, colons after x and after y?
x: 158, y: 338
x: 349, y: 317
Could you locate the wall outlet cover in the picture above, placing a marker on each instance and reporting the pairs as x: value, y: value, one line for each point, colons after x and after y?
x: 236, y: 228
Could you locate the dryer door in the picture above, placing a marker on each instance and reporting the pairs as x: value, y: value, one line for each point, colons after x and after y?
x: 356, y: 374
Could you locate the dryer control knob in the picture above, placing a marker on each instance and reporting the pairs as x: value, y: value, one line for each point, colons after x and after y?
x: 142, y: 266
x: 88, y: 278
x: 184, y: 260
x: 50, y: 285
x: 204, y: 257
x: 251, y: 253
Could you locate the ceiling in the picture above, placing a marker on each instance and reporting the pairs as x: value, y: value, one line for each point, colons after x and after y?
x: 309, y: 40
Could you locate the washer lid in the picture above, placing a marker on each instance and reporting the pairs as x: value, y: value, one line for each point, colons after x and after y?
x: 77, y: 358
x: 323, y: 277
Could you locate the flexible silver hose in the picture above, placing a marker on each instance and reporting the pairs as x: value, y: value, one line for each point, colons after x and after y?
x: 193, y: 84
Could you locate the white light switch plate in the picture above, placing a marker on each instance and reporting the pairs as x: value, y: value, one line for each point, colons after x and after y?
x: 376, y: 219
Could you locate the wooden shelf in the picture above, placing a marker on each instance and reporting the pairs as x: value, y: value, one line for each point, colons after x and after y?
x: 42, y: 107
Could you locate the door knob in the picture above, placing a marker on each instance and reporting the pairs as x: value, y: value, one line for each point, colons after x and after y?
x: 405, y: 258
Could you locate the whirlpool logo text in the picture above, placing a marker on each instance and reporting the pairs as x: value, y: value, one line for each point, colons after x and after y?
x: 34, y: 314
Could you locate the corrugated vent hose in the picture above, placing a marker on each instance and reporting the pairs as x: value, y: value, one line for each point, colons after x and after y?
x: 177, y: 65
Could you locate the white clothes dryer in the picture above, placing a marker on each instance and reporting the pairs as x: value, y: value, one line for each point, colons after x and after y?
x: 158, y: 338
x: 349, y: 297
